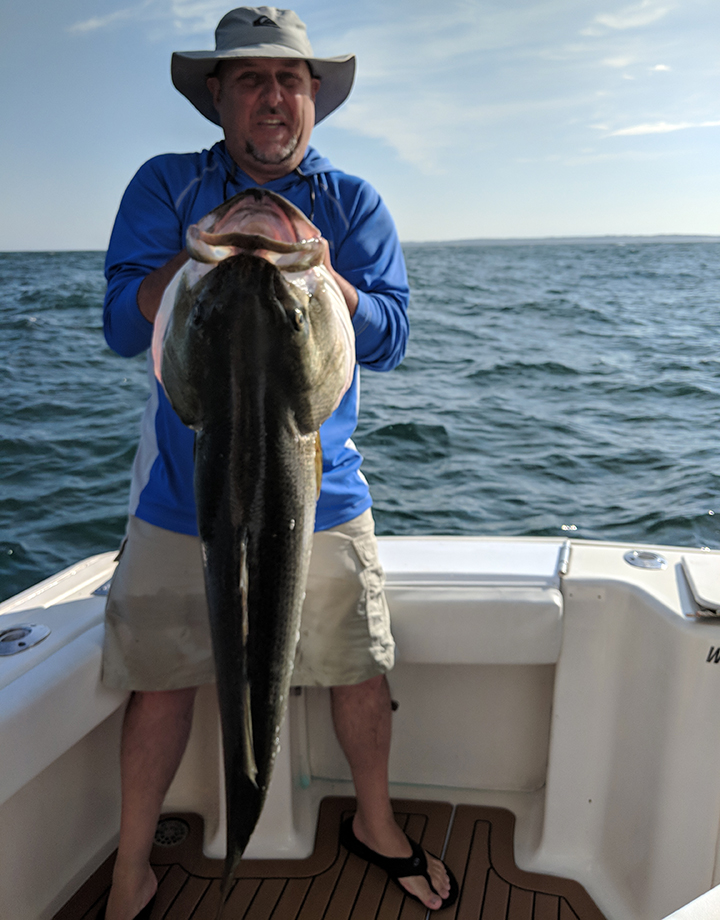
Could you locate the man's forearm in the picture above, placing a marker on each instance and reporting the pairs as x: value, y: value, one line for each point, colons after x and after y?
x: 153, y: 286
x: 348, y: 292
x: 346, y: 289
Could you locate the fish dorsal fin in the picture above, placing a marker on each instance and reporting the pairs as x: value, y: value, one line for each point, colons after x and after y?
x: 318, y: 463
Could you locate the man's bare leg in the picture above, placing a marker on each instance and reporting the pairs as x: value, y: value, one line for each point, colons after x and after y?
x: 362, y: 715
x: 155, y: 734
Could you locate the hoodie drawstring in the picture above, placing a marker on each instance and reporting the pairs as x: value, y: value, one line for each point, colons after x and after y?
x: 230, y: 177
x: 311, y: 186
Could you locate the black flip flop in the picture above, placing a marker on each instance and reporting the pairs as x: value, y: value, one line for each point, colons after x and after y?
x: 395, y: 867
x: 143, y: 915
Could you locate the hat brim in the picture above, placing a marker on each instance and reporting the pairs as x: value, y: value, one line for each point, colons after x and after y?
x: 190, y: 70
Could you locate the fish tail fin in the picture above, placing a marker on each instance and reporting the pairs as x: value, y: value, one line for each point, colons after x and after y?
x: 239, y: 829
x: 231, y: 863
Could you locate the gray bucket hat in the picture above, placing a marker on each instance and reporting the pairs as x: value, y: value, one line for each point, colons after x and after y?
x: 261, y: 31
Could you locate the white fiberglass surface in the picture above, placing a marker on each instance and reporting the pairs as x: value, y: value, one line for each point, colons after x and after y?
x: 467, y: 560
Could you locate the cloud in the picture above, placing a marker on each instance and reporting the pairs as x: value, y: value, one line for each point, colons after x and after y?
x: 402, y: 123
x: 631, y: 17
x: 660, y: 67
x: 662, y: 127
x: 196, y: 16
x: 404, y: 37
x: 182, y: 16
x: 422, y: 89
x: 429, y: 130
x: 446, y: 79
x: 104, y: 22
x: 628, y: 155
x: 585, y: 158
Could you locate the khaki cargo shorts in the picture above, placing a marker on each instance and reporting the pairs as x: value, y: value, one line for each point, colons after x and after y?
x: 157, y: 635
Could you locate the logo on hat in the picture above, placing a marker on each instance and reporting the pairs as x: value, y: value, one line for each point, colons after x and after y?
x: 265, y: 21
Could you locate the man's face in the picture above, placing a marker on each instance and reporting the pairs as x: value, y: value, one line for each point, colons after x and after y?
x: 267, y: 110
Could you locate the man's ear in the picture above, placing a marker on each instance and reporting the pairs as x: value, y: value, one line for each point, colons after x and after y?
x: 213, y: 85
x: 314, y: 87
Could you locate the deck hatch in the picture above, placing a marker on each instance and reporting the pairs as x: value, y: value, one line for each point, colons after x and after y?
x: 702, y: 571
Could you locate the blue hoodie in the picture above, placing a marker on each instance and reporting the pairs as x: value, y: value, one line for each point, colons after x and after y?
x: 173, y: 191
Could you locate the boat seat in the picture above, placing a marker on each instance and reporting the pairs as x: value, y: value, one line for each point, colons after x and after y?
x: 474, y: 601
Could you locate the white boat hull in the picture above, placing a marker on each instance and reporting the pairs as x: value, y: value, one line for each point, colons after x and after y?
x: 586, y: 703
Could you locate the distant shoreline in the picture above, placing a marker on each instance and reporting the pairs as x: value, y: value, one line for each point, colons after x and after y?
x: 486, y: 241
x: 565, y: 240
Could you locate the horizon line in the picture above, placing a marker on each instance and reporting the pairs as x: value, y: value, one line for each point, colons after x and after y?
x: 490, y: 240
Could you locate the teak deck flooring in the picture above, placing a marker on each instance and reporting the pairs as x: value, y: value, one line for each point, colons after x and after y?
x: 332, y: 884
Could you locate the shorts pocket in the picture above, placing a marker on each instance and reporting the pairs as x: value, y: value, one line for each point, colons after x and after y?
x: 372, y: 604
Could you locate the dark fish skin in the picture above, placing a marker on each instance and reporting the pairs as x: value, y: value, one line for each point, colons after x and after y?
x: 255, y: 487
x: 251, y: 365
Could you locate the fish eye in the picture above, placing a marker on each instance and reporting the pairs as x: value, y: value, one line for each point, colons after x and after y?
x: 298, y: 318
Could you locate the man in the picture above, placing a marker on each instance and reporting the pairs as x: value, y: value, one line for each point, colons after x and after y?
x: 265, y: 88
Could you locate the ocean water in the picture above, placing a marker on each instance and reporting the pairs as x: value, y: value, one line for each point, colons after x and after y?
x: 553, y: 388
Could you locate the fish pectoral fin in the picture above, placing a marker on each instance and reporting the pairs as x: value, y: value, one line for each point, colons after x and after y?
x: 318, y: 462
x: 250, y: 764
x: 249, y: 744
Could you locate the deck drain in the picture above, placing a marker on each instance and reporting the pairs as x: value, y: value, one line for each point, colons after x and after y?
x: 170, y: 832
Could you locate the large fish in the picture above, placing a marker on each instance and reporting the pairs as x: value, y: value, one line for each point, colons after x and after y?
x: 254, y: 356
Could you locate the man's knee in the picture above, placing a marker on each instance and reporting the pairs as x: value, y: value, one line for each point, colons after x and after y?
x: 161, y: 705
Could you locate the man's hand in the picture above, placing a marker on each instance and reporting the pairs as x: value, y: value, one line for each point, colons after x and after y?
x: 347, y: 290
x: 153, y: 285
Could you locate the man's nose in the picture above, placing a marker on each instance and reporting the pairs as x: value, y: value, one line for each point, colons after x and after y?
x: 272, y: 91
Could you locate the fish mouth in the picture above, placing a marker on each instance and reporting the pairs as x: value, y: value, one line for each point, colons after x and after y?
x: 290, y: 256
x: 259, y: 222
x: 264, y: 217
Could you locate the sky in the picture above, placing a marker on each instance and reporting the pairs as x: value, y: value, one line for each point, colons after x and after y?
x: 472, y: 118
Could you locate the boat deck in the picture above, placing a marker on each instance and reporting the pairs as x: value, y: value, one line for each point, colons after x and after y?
x: 332, y: 884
